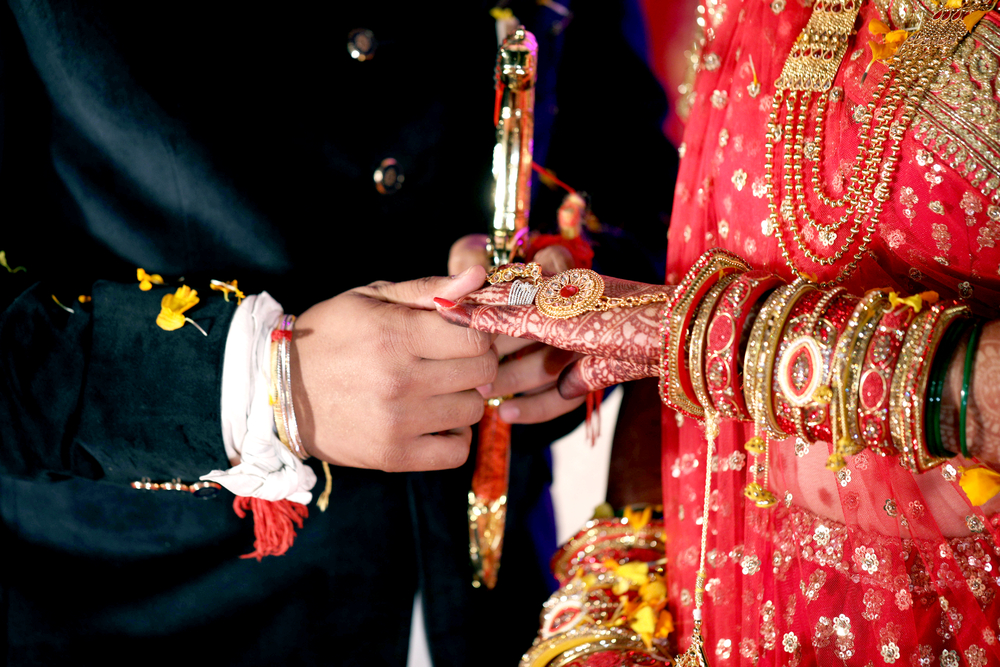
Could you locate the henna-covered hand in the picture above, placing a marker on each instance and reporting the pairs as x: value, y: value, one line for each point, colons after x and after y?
x: 618, y: 345
x: 528, y: 371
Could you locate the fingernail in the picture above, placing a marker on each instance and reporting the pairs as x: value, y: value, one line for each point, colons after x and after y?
x: 444, y: 303
x: 486, y: 390
x: 509, y: 413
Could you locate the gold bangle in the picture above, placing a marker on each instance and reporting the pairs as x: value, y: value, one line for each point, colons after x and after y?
x: 699, y: 331
x: 909, y: 384
x: 845, y: 376
x: 765, y: 338
x: 676, y: 390
x: 817, y: 351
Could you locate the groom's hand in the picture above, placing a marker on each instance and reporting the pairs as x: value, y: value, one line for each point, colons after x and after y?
x: 381, y: 381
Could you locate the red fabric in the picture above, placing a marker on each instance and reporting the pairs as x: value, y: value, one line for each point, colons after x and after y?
x: 583, y: 254
x: 875, y: 566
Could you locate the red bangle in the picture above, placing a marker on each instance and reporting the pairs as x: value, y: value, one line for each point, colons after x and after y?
x: 676, y: 389
x: 876, y: 378
x: 723, y: 366
x: 805, y: 356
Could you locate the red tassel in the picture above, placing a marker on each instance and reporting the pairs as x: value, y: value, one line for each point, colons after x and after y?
x: 594, y: 399
x: 273, y: 529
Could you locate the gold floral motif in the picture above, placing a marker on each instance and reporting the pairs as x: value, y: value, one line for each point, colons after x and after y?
x: 739, y: 179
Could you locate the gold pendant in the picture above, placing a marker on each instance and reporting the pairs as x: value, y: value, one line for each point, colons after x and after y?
x: 694, y: 656
x: 820, y: 47
x: 570, y: 293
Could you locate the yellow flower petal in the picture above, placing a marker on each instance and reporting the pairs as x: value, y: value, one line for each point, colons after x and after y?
x: 621, y: 586
x: 664, y: 624
x: 653, y: 591
x: 644, y: 623
x: 170, y: 320
x: 4, y: 264
x: 896, y: 37
x: 877, y: 27
x: 915, y: 302
x: 972, y: 18
x: 638, y: 519
x: 637, y: 573
x: 226, y: 288
x: 146, y: 280
x: 173, y: 306
x: 980, y: 484
x: 181, y: 300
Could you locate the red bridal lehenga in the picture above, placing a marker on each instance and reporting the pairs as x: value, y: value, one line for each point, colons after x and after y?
x: 871, y: 565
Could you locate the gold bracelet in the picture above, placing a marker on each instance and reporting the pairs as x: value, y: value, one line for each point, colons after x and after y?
x: 699, y: 332
x: 676, y: 389
x: 909, y: 384
x: 845, y: 376
x: 817, y: 351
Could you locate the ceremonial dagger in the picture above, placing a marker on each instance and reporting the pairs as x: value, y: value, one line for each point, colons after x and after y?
x: 514, y: 118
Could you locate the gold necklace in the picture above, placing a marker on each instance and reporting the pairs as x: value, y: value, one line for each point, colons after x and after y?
x: 808, y: 74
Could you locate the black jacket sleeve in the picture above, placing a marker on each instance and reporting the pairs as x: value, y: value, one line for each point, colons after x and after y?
x: 94, y: 393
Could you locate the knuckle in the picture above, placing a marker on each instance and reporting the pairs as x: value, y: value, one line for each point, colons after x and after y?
x: 457, y: 453
x: 476, y: 409
x: 479, y: 342
x: 490, y: 367
x: 393, y: 333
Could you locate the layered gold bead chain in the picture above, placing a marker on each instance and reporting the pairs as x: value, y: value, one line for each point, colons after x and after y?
x: 808, y: 76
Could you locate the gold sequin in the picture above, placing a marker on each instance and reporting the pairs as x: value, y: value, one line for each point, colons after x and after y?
x: 739, y: 179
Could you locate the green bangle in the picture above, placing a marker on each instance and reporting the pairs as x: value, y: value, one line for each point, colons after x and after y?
x: 935, y: 388
x: 970, y: 352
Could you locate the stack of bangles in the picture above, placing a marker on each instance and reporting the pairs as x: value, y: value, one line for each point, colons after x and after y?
x: 820, y: 365
x: 281, y: 387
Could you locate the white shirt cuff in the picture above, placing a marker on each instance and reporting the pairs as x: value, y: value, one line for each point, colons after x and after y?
x: 262, y: 466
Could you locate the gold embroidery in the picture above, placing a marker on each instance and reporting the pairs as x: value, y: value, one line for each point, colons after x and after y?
x: 959, y: 120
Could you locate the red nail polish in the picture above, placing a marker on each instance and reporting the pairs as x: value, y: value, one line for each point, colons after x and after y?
x: 444, y: 303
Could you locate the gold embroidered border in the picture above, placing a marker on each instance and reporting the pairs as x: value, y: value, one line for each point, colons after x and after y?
x: 952, y: 132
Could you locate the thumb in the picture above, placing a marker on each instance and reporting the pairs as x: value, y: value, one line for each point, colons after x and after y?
x: 421, y: 293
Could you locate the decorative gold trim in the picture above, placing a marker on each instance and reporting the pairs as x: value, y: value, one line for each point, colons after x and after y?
x: 486, y: 530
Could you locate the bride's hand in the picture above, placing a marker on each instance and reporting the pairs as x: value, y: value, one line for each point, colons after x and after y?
x: 618, y: 345
x: 528, y: 371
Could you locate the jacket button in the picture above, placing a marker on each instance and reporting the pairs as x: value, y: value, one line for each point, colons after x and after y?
x: 361, y: 44
x: 388, y: 177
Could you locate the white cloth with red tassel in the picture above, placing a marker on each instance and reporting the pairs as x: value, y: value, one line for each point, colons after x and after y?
x: 262, y: 466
